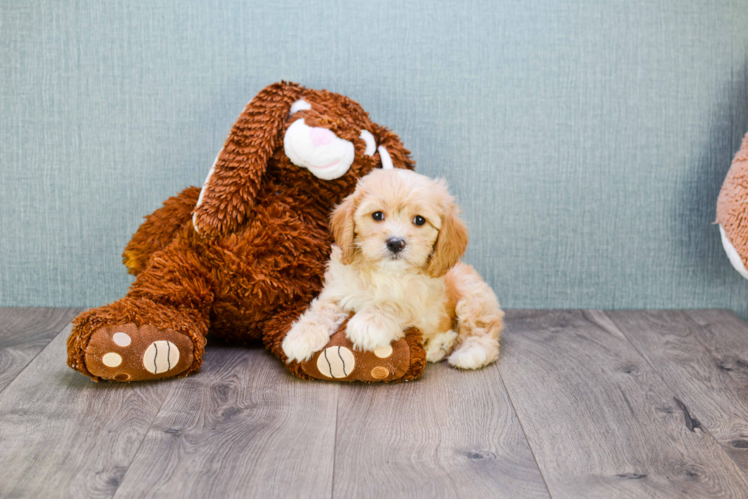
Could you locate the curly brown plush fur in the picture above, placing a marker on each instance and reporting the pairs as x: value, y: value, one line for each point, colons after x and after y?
x: 241, y: 258
x: 732, y: 213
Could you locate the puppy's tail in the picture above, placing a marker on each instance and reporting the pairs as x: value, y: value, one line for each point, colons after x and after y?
x: 479, y: 318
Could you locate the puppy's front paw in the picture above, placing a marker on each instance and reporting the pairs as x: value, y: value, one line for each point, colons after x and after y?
x: 303, y: 341
x: 369, y: 331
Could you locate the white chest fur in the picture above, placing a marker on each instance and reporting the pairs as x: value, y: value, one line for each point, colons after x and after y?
x: 414, y: 296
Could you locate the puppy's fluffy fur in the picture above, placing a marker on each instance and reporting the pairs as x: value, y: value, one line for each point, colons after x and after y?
x: 424, y: 284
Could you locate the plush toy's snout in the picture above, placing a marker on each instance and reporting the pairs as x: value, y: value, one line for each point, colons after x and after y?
x: 732, y: 211
x: 326, y: 155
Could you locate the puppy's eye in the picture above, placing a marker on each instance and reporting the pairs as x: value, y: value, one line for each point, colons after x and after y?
x: 377, y: 216
x: 418, y: 220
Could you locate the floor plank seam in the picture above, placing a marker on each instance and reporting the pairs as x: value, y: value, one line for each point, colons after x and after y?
x: 522, y: 427
x: 700, y: 338
x: 676, y: 396
x: 335, y: 443
x: 140, y: 445
x: 37, y: 354
x: 652, y: 377
x: 27, y: 364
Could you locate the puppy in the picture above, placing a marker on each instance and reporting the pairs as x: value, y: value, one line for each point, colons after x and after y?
x: 396, y: 264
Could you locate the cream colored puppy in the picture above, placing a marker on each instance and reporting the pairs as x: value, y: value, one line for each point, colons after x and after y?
x: 396, y: 264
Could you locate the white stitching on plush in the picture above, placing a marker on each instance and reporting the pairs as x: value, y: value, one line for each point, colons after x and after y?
x: 371, y: 143
x: 385, y: 157
x: 300, y: 105
x: 202, y: 192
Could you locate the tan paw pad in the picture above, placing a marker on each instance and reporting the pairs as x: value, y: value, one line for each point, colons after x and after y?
x: 336, y: 362
x: 160, y: 357
x: 111, y: 359
x: 383, y: 352
x: 121, y: 339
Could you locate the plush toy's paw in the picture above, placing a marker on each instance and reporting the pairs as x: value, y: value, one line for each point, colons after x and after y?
x: 304, y: 340
x: 403, y: 359
x: 439, y: 346
x: 128, y: 353
x: 369, y: 331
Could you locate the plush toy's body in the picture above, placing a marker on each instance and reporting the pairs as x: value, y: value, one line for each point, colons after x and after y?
x: 242, y: 257
x: 732, y: 211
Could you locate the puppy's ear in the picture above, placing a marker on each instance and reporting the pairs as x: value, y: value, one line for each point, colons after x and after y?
x: 450, y: 244
x: 394, y: 155
x: 343, y: 227
x: 228, y: 193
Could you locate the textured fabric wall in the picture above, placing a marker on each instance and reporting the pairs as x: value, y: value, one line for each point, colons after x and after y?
x: 586, y: 140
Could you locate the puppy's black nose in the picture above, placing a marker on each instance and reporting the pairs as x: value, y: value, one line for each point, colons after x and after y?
x: 395, y: 244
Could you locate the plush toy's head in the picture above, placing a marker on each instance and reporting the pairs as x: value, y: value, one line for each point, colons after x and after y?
x: 300, y: 137
x: 732, y: 211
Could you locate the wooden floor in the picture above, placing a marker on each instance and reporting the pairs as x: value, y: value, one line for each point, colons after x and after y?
x: 581, y: 404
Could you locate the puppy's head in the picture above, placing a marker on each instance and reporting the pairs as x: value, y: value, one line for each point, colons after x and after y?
x: 397, y: 219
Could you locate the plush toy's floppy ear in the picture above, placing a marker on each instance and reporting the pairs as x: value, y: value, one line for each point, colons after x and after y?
x: 450, y: 244
x: 391, y: 151
x: 343, y: 227
x: 233, y: 181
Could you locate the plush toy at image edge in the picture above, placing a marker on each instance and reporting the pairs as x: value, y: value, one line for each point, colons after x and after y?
x: 732, y: 211
x: 241, y: 258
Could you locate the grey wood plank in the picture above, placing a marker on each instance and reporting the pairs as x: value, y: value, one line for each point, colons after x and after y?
x: 599, y: 419
x: 703, y: 357
x: 61, y: 435
x: 244, y: 427
x: 450, y: 434
x: 24, y: 332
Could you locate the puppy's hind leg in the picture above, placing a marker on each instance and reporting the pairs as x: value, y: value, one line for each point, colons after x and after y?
x: 439, y: 346
x: 474, y: 353
x: 479, y: 319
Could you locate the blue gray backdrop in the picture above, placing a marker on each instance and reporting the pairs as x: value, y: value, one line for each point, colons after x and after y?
x: 586, y: 140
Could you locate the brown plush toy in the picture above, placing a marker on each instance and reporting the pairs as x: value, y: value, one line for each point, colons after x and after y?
x: 732, y: 211
x: 242, y: 257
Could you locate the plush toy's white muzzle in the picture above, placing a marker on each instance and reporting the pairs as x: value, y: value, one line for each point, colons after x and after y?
x: 317, y: 149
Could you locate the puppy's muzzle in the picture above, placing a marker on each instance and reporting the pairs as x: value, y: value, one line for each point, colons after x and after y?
x: 395, y: 245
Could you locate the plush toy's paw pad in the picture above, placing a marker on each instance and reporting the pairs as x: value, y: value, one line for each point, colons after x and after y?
x: 128, y: 353
x: 336, y: 362
x: 339, y: 361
